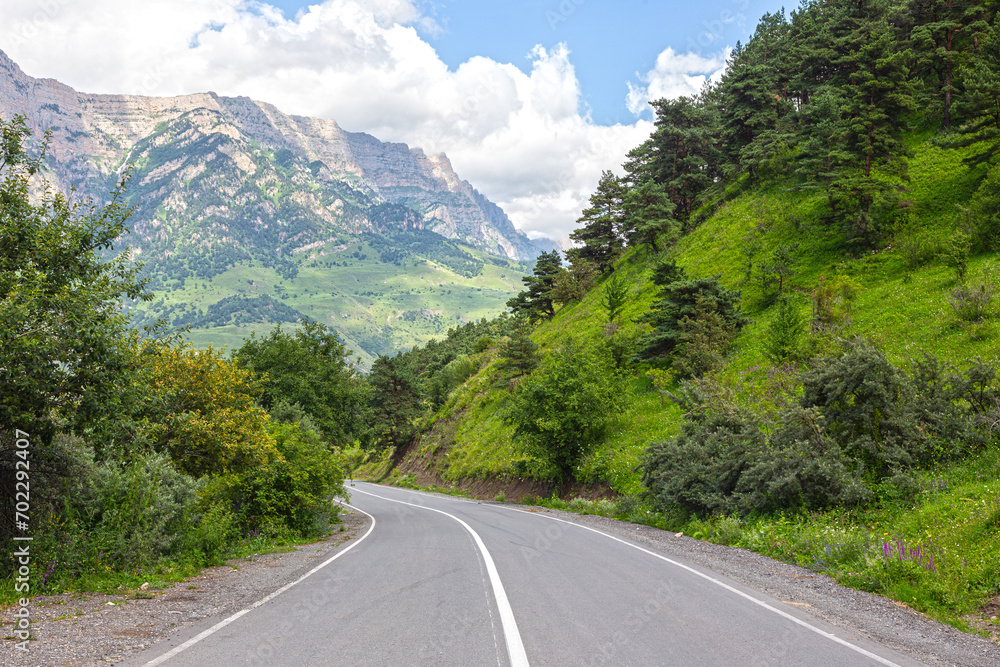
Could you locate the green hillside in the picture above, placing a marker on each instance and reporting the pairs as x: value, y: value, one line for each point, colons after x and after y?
x: 904, y: 311
x: 380, y: 294
x: 806, y: 360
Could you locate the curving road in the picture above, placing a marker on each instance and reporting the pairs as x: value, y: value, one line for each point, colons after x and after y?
x: 438, y: 580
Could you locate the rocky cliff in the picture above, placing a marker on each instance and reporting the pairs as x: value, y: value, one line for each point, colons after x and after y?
x: 232, y: 178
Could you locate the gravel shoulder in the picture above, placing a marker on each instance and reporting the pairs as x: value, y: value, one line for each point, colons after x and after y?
x: 880, y: 619
x: 87, y: 629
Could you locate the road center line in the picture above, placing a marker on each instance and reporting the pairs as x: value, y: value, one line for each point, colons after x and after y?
x: 515, y: 647
x: 715, y: 581
x: 221, y: 624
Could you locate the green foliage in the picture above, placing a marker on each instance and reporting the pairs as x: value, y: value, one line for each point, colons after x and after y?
x: 601, y: 225
x: 564, y: 408
x: 956, y: 254
x: 614, y: 297
x: 573, y: 284
x: 292, y: 492
x: 860, y: 426
x: 518, y: 353
x: 784, y: 333
x: 394, y: 400
x: 832, y: 303
x: 703, y: 338
x: 699, y: 312
x: 310, y: 368
x: 453, y: 374
x: 62, y: 338
x: 536, y: 302
x: 972, y: 304
x: 650, y: 215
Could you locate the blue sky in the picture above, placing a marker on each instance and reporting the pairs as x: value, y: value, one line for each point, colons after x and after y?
x: 531, y: 101
x: 609, y: 42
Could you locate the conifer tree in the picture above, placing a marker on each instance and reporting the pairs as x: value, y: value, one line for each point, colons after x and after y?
x: 601, y: 225
x: 979, y: 104
x: 944, y: 32
x: 536, y: 303
x: 395, y: 399
x: 650, y: 215
x: 682, y: 154
x: 752, y: 97
x: 877, y: 97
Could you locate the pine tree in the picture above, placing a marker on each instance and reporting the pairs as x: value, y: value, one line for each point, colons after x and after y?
x: 682, y: 154
x: 536, y: 303
x: 943, y: 34
x: 979, y: 104
x: 682, y: 299
x: 752, y: 98
x: 877, y: 97
x: 395, y: 399
x: 650, y: 215
x: 602, y: 223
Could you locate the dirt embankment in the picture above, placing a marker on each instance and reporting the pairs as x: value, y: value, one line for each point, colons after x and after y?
x: 427, y: 469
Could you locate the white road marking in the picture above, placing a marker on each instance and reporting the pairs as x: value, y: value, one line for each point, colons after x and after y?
x: 221, y: 624
x: 763, y: 604
x: 515, y: 647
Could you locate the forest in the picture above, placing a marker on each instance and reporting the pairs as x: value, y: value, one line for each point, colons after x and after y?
x: 725, y: 351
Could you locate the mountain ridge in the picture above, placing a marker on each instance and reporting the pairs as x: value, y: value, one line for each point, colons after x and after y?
x: 94, y: 135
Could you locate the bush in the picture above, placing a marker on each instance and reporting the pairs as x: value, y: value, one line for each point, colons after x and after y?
x: 802, y: 467
x: 115, y: 517
x: 292, y: 492
x: 784, y: 333
x: 972, y: 304
x: 697, y: 472
x: 565, y: 406
x: 860, y: 427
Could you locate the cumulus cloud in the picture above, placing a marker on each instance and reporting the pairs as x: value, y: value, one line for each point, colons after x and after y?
x: 675, y: 75
x: 518, y: 136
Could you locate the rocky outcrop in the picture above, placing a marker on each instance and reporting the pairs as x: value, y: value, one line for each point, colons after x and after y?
x: 94, y: 136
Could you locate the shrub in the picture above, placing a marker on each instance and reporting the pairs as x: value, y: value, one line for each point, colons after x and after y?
x: 784, y: 333
x: 956, y: 254
x: 972, y: 304
x: 865, y: 403
x: 697, y: 472
x: 802, y: 467
x: 565, y: 406
x: 293, y: 491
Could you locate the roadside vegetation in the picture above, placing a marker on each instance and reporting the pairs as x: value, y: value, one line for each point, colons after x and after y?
x: 145, y: 458
x: 787, y: 306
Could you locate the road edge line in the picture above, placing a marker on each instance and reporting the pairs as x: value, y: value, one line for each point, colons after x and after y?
x: 223, y: 623
x: 747, y: 596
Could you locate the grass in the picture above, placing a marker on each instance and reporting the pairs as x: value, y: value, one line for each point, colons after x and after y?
x: 939, y: 553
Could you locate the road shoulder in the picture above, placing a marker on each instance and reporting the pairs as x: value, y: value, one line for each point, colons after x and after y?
x: 95, y: 629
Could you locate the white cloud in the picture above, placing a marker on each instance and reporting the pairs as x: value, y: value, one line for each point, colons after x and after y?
x: 520, y: 138
x: 675, y: 75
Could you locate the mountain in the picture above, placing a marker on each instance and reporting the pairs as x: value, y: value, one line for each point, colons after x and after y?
x: 234, y: 198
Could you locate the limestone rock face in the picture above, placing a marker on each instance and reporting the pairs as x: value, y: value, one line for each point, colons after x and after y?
x: 231, y: 171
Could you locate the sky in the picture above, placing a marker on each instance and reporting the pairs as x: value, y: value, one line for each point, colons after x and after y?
x: 531, y: 101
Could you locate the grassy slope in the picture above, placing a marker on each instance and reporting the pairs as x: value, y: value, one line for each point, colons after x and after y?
x: 903, y: 310
x: 374, y: 306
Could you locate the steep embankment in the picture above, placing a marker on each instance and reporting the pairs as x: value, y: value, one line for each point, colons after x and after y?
x: 899, y: 301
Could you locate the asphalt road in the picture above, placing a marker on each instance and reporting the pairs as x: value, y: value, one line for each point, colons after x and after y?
x: 447, y: 581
